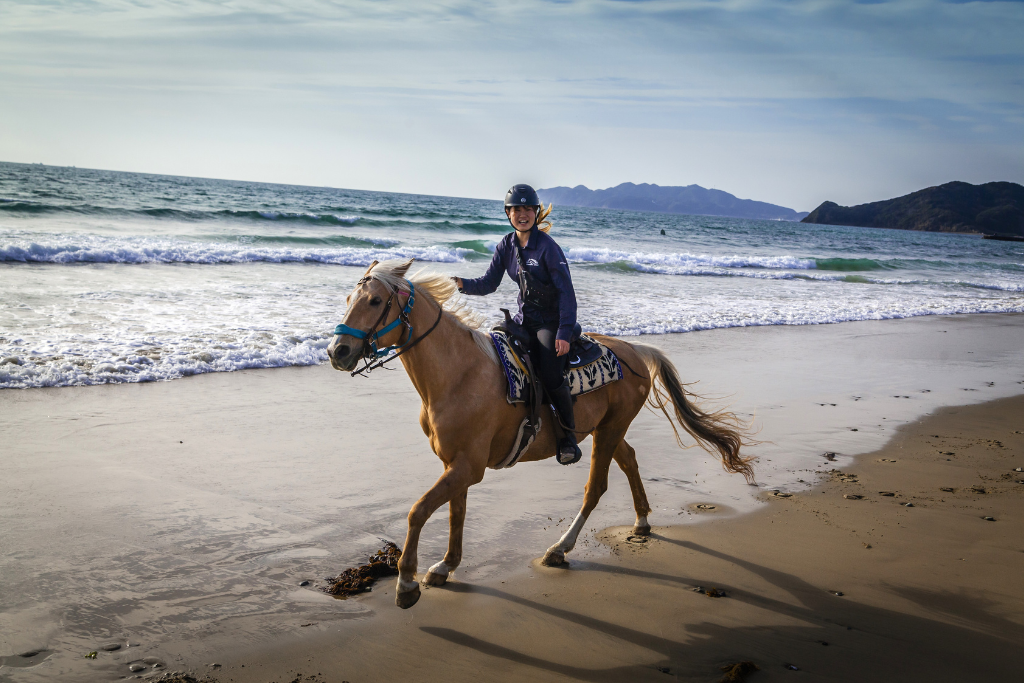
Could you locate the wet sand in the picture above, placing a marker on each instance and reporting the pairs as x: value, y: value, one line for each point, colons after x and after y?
x: 916, y: 586
x: 178, y: 519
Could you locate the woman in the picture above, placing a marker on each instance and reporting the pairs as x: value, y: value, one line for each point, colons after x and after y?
x: 547, y: 301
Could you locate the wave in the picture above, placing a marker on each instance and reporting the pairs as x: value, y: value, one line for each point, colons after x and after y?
x: 93, y: 249
x: 191, y: 215
x: 325, y: 240
x: 77, y: 360
x: 684, y: 264
x: 329, y: 216
x: 850, y: 264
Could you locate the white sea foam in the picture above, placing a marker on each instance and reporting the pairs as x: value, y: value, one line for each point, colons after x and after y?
x: 685, y: 263
x: 102, y: 249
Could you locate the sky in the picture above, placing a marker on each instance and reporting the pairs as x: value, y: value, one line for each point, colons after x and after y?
x: 790, y: 102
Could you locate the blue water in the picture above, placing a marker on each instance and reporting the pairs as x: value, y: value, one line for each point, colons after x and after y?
x: 125, y: 277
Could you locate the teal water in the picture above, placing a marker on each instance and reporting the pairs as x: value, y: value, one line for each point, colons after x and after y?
x: 125, y: 277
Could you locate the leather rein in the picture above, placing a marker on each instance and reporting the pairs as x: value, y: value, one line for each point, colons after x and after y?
x: 372, y: 336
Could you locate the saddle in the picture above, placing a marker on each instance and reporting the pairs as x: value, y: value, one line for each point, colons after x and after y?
x: 591, y: 366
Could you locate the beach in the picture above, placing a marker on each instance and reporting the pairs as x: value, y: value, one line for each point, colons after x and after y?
x: 178, y: 519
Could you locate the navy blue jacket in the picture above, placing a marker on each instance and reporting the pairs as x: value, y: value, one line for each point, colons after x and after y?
x: 545, y: 261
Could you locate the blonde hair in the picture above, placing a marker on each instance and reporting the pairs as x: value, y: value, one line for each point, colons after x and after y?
x: 543, y: 224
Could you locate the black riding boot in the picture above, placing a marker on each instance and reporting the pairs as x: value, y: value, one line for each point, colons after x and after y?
x: 568, y: 452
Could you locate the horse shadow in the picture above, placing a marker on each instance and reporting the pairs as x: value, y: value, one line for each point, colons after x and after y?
x: 835, y: 637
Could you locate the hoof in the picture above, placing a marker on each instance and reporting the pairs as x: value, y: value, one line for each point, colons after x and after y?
x: 642, y: 530
x: 554, y: 558
x: 408, y: 599
x: 432, y: 579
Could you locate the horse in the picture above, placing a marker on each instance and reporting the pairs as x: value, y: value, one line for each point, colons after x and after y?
x: 471, y: 426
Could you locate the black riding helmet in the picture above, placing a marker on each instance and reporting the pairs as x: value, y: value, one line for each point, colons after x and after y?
x: 521, y: 195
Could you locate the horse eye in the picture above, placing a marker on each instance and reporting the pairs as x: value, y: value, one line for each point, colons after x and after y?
x: 375, y: 301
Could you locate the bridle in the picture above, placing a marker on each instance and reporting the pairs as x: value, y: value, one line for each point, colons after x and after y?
x: 374, y: 357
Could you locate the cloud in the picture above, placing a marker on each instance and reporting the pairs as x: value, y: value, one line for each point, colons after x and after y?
x: 431, y: 97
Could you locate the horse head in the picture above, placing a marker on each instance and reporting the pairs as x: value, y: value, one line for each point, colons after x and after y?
x: 372, y: 305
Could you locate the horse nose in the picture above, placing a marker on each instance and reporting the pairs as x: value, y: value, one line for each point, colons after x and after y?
x: 341, y: 351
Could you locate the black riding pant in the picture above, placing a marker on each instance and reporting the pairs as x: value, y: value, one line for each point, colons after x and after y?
x: 549, y: 366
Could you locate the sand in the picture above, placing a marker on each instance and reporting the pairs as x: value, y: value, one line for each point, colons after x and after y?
x: 179, y: 519
x: 832, y: 587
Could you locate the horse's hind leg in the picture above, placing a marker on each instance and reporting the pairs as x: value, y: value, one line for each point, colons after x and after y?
x: 597, y: 484
x: 625, y: 458
x: 438, y: 574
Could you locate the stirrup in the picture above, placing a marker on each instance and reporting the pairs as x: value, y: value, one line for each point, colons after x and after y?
x: 564, y: 458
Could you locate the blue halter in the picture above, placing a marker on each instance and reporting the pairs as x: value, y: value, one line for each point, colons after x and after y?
x: 370, y: 338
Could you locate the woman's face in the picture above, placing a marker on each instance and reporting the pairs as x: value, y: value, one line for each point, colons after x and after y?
x: 522, y: 217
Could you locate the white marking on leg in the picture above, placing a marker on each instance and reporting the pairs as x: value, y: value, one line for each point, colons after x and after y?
x: 406, y: 586
x: 568, y: 540
x: 441, y: 569
x: 641, y: 521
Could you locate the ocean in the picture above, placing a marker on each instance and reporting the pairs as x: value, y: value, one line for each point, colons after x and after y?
x: 109, y: 277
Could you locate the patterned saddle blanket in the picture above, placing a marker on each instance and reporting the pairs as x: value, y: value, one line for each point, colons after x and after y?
x: 599, y: 367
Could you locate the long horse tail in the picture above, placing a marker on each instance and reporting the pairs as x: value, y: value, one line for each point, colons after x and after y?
x: 718, y: 430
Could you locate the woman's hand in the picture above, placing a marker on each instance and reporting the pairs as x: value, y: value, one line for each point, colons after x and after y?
x: 561, y: 347
x: 458, y: 282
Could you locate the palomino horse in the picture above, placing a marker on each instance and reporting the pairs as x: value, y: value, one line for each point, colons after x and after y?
x: 471, y: 426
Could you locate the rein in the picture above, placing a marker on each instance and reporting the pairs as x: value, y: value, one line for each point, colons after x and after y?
x: 370, y: 337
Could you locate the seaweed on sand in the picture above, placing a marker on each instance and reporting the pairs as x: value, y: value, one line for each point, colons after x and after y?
x: 356, y: 580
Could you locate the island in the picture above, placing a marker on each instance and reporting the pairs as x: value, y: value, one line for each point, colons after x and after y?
x: 992, y: 208
x: 691, y: 199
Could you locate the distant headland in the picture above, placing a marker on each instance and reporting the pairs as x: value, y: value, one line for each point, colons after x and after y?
x: 692, y: 199
x: 992, y: 208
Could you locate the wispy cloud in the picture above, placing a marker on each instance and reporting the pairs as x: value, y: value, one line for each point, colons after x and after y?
x: 791, y: 102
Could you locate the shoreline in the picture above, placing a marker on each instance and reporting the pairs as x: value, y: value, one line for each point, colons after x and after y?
x: 183, y: 515
x: 926, y: 592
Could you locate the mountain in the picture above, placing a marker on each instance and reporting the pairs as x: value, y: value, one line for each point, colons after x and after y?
x: 996, y: 208
x: 692, y: 199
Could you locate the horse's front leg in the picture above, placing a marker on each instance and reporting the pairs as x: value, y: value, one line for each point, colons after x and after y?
x: 453, y: 483
x: 438, y: 574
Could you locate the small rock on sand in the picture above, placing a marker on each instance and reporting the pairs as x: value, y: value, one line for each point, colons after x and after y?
x: 110, y: 647
x: 136, y: 666
x: 852, y: 496
x: 887, y: 494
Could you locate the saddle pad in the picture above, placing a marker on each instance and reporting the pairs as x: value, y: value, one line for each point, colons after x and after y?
x: 582, y: 380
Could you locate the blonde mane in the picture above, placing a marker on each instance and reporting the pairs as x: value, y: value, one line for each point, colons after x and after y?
x: 441, y: 288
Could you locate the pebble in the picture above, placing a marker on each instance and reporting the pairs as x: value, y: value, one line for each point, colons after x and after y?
x: 989, y: 519
x: 948, y: 489
x: 852, y: 496
x: 1018, y: 469
x: 137, y: 666
x: 705, y: 506
x: 110, y: 647
x: 908, y: 505
x: 887, y: 494
x: 783, y: 495
x: 153, y: 661
x: 829, y: 455
x: 304, y: 583
x: 837, y: 593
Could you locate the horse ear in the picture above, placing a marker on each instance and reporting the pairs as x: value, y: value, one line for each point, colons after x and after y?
x: 372, y: 266
x: 401, y: 270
